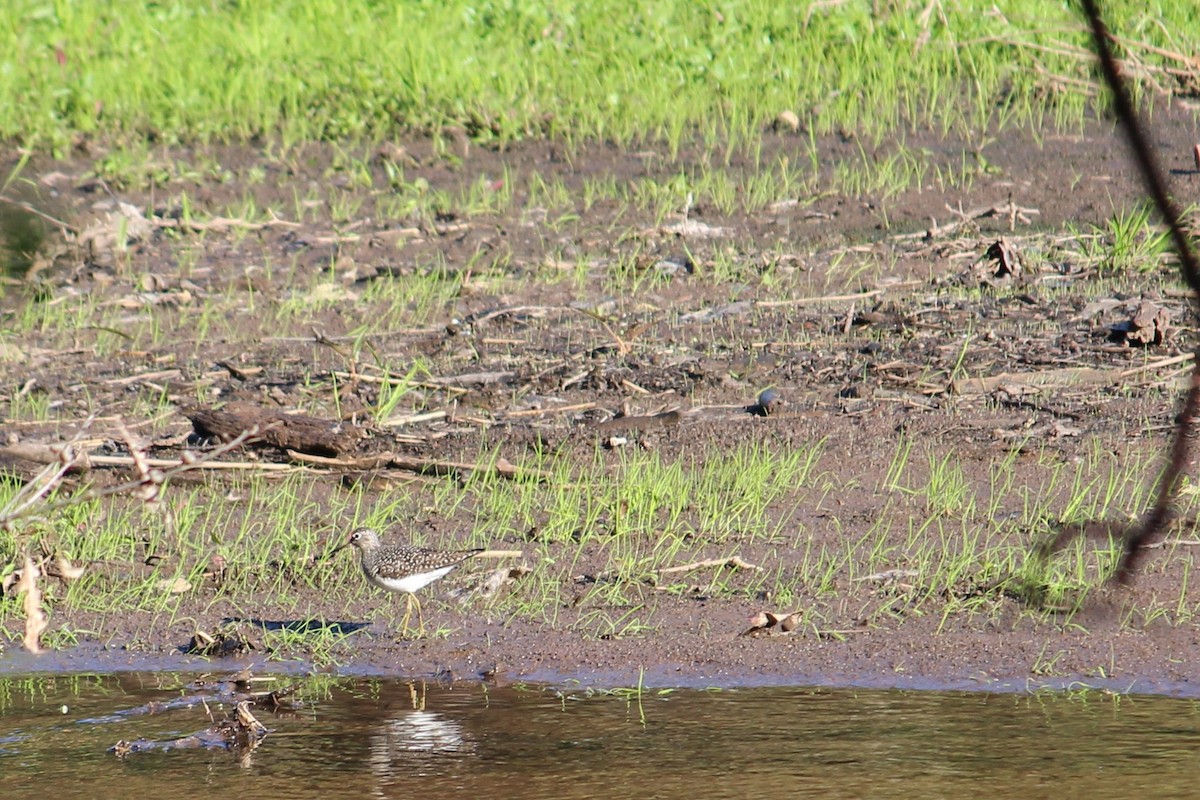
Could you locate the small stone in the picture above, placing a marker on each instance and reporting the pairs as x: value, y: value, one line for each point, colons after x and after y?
x: 173, y: 586
x: 787, y: 121
x: 767, y: 400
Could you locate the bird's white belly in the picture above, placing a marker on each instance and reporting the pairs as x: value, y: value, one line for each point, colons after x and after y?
x: 409, y: 583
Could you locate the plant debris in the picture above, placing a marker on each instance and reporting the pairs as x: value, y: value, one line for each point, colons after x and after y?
x: 239, y: 730
x: 772, y: 622
x: 298, y: 432
x: 1148, y: 325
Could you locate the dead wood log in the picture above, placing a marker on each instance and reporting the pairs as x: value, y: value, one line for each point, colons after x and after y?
x: 297, y: 432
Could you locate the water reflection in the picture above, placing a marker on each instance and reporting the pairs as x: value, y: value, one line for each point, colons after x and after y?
x: 414, y: 745
x: 354, y: 738
x: 420, y: 733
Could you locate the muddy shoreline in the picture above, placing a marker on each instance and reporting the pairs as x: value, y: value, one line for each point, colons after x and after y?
x: 967, y: 658
x: 867, y: 357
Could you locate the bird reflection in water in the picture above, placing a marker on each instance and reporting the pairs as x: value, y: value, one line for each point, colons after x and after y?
x: 418, y: 742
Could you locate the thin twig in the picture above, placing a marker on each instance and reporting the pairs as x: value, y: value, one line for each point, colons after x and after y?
x: 500, y: 554
x: 732, y: 561
x: 221, y: 224
x: 829, y: 298
x: 540, y: 412
x: 41, y: 214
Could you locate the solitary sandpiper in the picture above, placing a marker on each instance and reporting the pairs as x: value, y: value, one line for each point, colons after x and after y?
x: 403, y: 568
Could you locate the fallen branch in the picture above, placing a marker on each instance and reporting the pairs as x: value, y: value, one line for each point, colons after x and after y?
x: 81, y: 461
x: 299, y: 432
x: 19, y: 506
x: 1009, y: 209
x: 423, y: 466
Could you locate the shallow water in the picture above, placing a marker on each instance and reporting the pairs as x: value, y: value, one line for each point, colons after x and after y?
x: 358, y: 737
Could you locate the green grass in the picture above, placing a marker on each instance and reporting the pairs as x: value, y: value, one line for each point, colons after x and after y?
x: 963, y: 545
x: 669, y: 70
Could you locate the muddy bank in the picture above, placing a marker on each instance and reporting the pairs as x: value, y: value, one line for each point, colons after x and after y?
x: 916, y: 657
x: 599, y: 335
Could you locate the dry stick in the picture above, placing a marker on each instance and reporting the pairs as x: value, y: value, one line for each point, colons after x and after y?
x: 623, y: 347
x: 259, y: 466
x: 44, y: 481
x: 144, y: 376
x: 1152, y: 525
x: 189, y: 462
x: 43, y: 215
x: 500, y: 554
x: 829, y: 298
x: 220, y: 224
x: 1010, y: 209
x: 1071, y: 51
x: 1176, y: 542
x: 51, y: 455
x: 1156, y: 365
x: 732, y: 561
x: 541, y: 412
x: 412, y: 419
